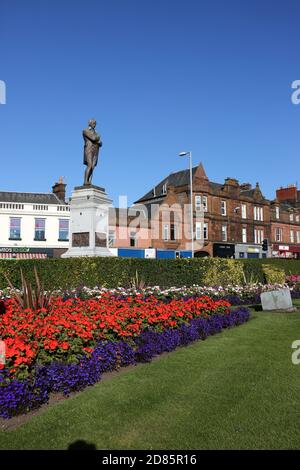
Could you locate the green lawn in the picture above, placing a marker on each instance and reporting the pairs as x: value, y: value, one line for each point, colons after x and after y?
x: 236, y: 390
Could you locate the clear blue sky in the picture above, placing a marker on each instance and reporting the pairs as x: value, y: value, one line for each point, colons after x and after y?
x: 160, y: 76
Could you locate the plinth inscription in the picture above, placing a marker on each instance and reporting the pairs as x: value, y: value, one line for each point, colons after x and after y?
x: 100, y: 239
x: 81, y: 239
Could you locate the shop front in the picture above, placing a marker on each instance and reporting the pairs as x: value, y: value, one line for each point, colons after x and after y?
x: 25, y: 253
x: 223, y: 250
x: 286, y: 251
x: 243, y: 251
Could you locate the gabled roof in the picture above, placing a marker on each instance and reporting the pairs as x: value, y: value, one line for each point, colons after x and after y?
x: 30, y: 198
x: 180, y: 178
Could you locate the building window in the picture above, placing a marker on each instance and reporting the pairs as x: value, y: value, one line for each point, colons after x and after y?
x: 39, y: 229
x: 297, y: 218
x: 291, y: 217
x: 244, y: 235
x: 111, y: 238
x: 298, y: 237
x: 277, y: 214
x: 164, y: 189
x: 133, y: 240
x: 258, y: 213
x: 261, y: 213
x: 63, y: 233
x: 292, y: 238
x: 201, y: 203
x: 258, y: 236
x: 223, y: 208
x: 198, y: 230
x: 199, y: 234
x: 166, y: 232
x: 198, y: 202
x: 244, y: 211
x: 224, y: 233
x: 278, y: 234
x: 15, y: 228
x: 173, y: 232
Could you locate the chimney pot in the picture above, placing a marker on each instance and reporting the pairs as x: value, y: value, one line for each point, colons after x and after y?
x: 59, y: 189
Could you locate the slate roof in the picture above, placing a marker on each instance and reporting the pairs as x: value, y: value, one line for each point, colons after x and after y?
x: 180, y: 178
x: 30, y: 198
x: 248, y: 192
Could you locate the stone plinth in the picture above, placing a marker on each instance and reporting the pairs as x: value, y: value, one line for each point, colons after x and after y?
x: 277, y: 300
x: 89, y: 210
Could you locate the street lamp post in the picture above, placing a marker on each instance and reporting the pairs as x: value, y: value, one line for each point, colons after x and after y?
x: 189, y: 154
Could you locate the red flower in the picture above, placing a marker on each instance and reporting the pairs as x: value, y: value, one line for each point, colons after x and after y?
x: 77, y: 325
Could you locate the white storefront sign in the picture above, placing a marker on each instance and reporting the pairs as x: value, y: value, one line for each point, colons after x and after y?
x: 150, y: 253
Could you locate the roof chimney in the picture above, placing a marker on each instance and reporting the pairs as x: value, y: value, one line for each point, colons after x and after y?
x: 59, y: 189
x: 246, y: 186
x: 289, y: 194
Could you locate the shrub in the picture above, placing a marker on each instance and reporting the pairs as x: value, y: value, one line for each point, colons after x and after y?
x: 253, y: 267
x: 114, y: 272
x: 273, y: 275
x: 221, y: 272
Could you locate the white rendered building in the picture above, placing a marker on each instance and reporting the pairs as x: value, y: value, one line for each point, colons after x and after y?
x: 34, y: 225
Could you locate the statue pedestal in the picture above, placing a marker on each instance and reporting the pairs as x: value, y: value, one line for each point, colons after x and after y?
x: 89, y: 224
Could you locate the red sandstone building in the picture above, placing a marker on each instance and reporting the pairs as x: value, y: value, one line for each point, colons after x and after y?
x: 230, y: 219
x: 285, y: 223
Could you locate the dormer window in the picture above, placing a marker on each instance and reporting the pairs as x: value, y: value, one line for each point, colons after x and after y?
x: 164, y: 189
x: 277, y: 214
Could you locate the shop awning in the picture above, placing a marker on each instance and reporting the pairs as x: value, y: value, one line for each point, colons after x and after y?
x: 23, y: 256
x: 288, y: 248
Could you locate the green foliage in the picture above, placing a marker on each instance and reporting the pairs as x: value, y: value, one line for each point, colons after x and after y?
x: 34, y: 298
x: 254, y: 266
x: 112, y: 272
x: 221, y: 272
x: 273, y: 275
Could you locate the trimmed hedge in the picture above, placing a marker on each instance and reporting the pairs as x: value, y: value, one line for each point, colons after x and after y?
x: 113, y: 272
x: 268, y: 269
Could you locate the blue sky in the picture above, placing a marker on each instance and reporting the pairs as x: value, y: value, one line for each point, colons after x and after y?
x: 160, y: 76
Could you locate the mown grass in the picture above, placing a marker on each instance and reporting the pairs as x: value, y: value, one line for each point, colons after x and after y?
x: 236, y: 390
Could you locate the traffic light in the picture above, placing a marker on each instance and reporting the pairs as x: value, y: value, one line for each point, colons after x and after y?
x: 265, y: 245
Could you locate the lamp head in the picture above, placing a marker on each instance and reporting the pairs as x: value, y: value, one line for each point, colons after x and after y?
x: 184, y: 154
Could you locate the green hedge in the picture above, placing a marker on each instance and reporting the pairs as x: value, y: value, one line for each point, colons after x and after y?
x: 254, y: 268
x: 113, y: 272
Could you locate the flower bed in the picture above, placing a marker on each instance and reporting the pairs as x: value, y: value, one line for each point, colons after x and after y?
x: 69, y: 346
x: 235, y: 294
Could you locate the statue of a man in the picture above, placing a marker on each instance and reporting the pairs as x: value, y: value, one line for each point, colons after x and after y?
x: 92, y: 143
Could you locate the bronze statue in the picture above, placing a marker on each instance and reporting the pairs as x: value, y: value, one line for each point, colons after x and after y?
x: 92, y: 143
